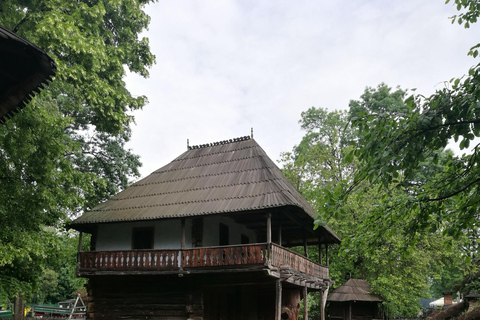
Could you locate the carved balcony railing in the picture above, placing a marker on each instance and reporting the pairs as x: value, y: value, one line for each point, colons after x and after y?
x: 249, y: 255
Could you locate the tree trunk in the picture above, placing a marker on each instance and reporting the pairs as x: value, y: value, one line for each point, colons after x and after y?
x: 19, y: 308
x: 290, y: 304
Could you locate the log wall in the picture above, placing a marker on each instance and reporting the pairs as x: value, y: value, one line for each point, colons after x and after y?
x: 181, y: 298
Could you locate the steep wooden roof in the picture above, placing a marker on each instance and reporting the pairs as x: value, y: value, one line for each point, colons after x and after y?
x: 24, y: 68
x: 233, y: 176
x: 354, y: 290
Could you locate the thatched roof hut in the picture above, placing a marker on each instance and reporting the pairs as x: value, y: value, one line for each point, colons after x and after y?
x: 354, y: 300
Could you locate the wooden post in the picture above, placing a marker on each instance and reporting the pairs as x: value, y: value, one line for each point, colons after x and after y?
x: 278, y: 300
x: 322, y: 307
x: 182, y: 242
x: 80, y: 241
x: 79, y: 251
x: 349, y: 310
x: 305, y: 303
x: 280, y: 234
x: 326, y: 255
x: 305, y: 245
x: 182, y: 245
x: 320, y: 252
x: 269, y: 228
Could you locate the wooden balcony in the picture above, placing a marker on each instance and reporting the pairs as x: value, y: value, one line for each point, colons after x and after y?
x: 251, y: 256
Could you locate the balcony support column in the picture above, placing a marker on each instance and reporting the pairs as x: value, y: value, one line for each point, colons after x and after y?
x: 305, y: 244
x: 80, y: 241
x: 326, y: 255
x: 320, y: 252
x: 269, y: 228
x: 305, y: 303
x: 182, y: 242
x: 280, y: 233
x: 183, y: 233
x: 322, y: 306
x: 278, y: 300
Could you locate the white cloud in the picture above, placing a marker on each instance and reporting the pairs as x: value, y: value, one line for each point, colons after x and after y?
x: 226, y: 66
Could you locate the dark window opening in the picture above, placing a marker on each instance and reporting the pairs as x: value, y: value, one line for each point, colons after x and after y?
x: 224, y: 235
x: 244, y: 239
x: 142, y: 238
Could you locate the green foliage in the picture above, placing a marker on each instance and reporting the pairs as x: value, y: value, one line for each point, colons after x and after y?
x: 59, y: 281
x: 395, y: 147
x: 323, y: 167
x: 65, y: 151
x: 423, y: 190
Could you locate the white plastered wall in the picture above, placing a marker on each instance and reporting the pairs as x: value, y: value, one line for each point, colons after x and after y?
x: 167, y: 233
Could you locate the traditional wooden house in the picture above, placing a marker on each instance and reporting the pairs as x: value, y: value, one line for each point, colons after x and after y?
x: 354, y: 300
x: 204, y: 237
x: 24, y: 68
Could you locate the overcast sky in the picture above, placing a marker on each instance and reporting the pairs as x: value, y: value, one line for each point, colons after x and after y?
x: 223, y: 67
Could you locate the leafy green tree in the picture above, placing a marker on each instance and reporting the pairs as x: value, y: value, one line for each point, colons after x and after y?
x: 65, y: 152
x: 59, y: 281
x: 318, y: 166
x: 395, y: 146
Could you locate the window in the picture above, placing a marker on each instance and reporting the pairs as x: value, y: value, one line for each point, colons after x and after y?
x: 224, y: 235
x: 142, y: 238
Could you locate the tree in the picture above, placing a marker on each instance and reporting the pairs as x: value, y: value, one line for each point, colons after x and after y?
x: 65, y: 152
x: 318, y: 168
x: 396, y: 144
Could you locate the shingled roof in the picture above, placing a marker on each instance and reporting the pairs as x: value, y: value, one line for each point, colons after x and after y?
x: 24, y: 68
x: 354, y: 290
x: 231, y: 176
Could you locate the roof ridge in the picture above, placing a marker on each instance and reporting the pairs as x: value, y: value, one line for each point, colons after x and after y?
x: 186, y: 202
x: 244, y: 138
x: 212, y: 153
x: 196, y: 189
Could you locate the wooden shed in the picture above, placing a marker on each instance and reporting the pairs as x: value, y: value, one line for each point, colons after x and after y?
x: 24, y: 68
x: 205, y: 237
x: 353, y: 300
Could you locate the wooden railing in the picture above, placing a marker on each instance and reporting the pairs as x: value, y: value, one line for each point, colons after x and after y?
x: 208, y: 257
x: 225, y: 256
x: 281, y: 257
